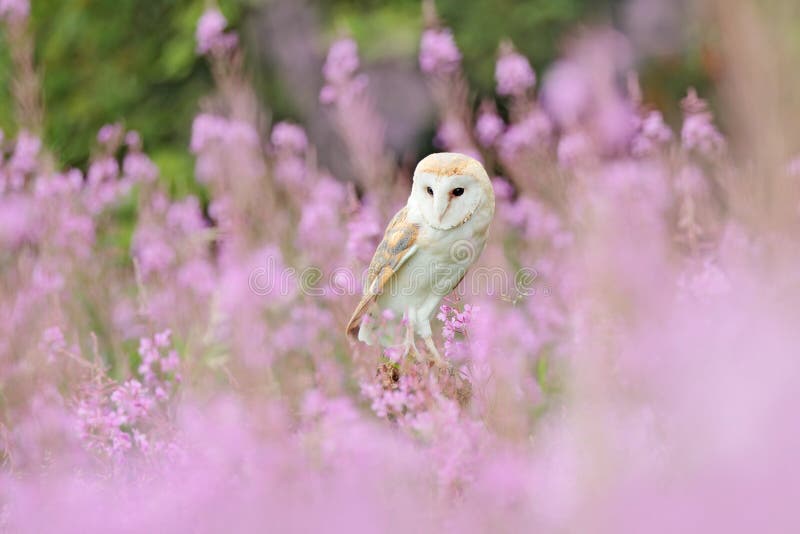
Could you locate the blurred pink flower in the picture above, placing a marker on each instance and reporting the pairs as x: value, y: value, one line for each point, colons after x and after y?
x: 139, y: 167
x: 103, y: 169
x: 573, y: 147
x: 653, y: 133
x: 340, y: 71
x: 320, y: 231
x: 210, y: 33
x: 291, y: 172
x: 513, y: 74
x: 342, y: 62
x: 186, y: 215
x: 17, y: 220
x: 197, y: 275
x: 288, y: 136
x: 698, y: 131
x: 110, y: 134
x: 133, y: 140
x: 502, y: 189
x: 452, y: 135
x: 151, y: 251
x: 364, y: 232
x: 53, y: 343
x: 566, y: 93
x: 535, y: 219
x: 438, y: 53
x: 533, y: 132
x: 14, y: 11
x: 488, y: 127
x: 24, y: 159
x: 613, y: 124
x: 205, y: 129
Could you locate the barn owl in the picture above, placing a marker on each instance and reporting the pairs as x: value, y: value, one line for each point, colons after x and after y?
x: 427, y: 248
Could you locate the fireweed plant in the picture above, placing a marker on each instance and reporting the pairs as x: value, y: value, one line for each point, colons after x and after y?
x: 646, y: 382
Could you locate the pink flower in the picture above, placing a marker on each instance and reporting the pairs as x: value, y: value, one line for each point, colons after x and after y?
x: 210, y: 33
x: 103, y: 169
x: 139, y: 167
x: 364, y: 232
x: 17, y: 221
x: 698, y: 132
x: 454, y: 331
x: 653, y: 133
x: 197, y: 275
x: 186, y: 215
x: 241, y: 133
x: 206, y: 128
x: 654, y: 127
x: 488, y: 128
x: 533, y: 132
x: 513, y: 74
x: 327, y: 95
x: 132, y: 402
x: 291, y: 172
x: 566, y: 93
x: 342, y: 82
x: 438, y: 53
x: 320, y: 230
x: 452, y: 135
x: 26, y: 152
x: 14, y: 11
x: 133, y: 140
x: 503, y: 190
x: 110, y: 134
x: 288, y: 136
x: 152, y: 252
x: 573, y: 147
x: 53, y: 343
x: 342, y: 62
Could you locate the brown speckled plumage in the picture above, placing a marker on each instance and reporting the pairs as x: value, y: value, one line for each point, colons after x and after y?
x: 397, y: 242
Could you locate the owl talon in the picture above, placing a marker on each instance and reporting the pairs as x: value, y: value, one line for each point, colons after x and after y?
x: 434, y: 354
x: 414, y: 352
x: 410, y: 348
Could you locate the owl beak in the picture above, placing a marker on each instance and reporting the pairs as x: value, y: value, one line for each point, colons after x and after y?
x: 441, y: 204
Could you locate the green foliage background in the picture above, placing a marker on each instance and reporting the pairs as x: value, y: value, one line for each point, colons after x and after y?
x: 134, y: 61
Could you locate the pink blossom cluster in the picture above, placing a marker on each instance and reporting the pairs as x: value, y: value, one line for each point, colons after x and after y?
x: 438, y: 52
x: 455, y: 324
x: 488, y: 127
x: 118, y: 418
x: 14, y: 11
x: 698, y: 131
x: 340, y: 71
x: 211, y: 35
x: 513, y: 74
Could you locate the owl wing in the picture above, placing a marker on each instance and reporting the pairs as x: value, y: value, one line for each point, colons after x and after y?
x: 399, y: 243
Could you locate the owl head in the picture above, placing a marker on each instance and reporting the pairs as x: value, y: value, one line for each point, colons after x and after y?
x: 449, y: 188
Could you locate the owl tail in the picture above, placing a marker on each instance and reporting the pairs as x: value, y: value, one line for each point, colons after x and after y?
x: 361, y: 332
x: 353, y: 328
x: 354, y: 325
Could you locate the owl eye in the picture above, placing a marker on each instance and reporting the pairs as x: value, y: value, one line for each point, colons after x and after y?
x: 458, y: 191
x: 430, y: 191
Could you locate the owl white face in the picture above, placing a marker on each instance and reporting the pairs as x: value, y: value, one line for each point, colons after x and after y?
x: 446, y: 202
